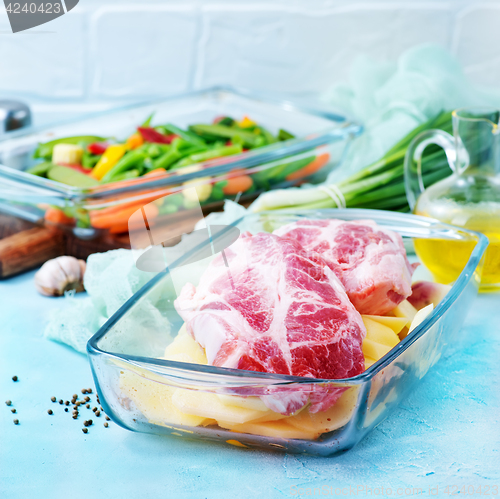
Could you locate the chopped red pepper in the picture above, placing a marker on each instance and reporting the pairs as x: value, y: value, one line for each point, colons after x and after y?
x: 154, y: 136
x: 97, y: 147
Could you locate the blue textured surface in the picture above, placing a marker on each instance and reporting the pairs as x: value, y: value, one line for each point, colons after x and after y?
x: 446, y: 432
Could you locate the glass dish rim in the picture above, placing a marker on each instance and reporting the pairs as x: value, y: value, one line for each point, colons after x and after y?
x: 266, y: 154
x: 282, y: 379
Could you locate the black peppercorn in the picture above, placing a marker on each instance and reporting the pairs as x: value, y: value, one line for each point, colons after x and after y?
x: 53, y: 399
x: 8, y: 402
x: 85, y: 430
x: 14, y: 378
x: 13, y: 411
x: 16, y: 421
x: 106, y: 425
x: 50, y: 412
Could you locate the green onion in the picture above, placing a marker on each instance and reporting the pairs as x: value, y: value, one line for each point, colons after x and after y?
x: 377, y: 186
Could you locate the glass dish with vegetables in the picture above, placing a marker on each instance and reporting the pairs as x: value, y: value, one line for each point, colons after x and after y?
x: 302, y: 337
x: 92, y: 174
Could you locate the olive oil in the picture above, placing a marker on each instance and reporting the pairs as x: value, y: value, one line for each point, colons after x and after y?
x: 469, y: 198
x: 447, y: 258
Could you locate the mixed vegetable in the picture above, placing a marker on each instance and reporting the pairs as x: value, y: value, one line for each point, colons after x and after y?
x: 87, y: 161
x: 165, y: 150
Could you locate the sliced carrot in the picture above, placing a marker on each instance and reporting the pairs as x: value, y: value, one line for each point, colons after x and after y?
x: 134, y: 224
x: 146, y: 198
x: 57, y: 216
x: 237, y: 184
x: 119, y: 219
x: 135, y: 140
x: 315, y: 165
x: 156, y: 173
x: 126, y: 227
x: 118, y: 229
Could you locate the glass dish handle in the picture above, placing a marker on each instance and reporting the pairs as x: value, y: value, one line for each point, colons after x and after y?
x: 414, y: 184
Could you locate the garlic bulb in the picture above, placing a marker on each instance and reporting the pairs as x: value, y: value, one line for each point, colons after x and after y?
x: 59, y: 275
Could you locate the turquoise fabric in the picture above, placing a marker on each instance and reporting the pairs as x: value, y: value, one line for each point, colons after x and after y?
x: 111, y: 278
x: 392, y: 98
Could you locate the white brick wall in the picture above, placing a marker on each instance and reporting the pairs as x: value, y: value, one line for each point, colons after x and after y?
x: 105, y: 52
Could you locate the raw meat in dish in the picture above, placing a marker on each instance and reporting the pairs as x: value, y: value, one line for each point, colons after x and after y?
x: 369, y: 260
x: 280, y: 309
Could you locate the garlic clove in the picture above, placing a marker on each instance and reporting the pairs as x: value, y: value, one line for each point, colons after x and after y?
x: 59, y: 275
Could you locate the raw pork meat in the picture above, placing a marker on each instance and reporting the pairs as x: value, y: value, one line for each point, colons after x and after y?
x: 369, y: 260
x: 277, y: 309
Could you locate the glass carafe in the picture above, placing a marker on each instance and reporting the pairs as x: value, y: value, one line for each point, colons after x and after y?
x: 469, y: 198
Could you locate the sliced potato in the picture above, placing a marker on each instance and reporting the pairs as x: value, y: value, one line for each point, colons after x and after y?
x: 245, y: 402
x: 270, y: 416
x: 194, y: 191
x: 335, y: 417
x: 405, y: 309
x: 67, y: 154
x: 208, y: 405
x: 379, y: 333
x: 373, y: 349
x: 154, y: 400
x: 184, y: 344
x: 369, y: 362
x: 395, y: 323
x: 279, y: 429
x: 420, y: 316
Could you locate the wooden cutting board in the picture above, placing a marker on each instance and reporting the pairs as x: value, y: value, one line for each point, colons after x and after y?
x: 24, y: 245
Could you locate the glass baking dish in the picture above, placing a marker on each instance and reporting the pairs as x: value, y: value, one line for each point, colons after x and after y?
x: 321, y: 140
x: 141, y: 391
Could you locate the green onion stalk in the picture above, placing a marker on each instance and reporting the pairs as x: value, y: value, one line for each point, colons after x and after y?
x: 377, y: 186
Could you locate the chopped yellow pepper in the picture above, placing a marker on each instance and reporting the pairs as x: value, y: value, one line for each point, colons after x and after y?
x: 109, y: 159
x: 246, y: 122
